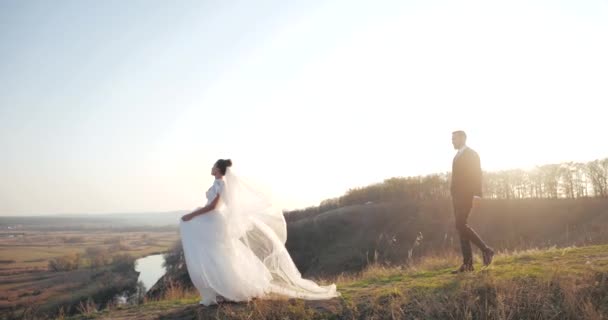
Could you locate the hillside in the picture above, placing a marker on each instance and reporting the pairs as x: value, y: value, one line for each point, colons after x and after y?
x: 567, y: 283
x: 347, y: 239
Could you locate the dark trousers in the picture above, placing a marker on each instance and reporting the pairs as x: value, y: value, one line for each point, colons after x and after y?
x: 462, y: 209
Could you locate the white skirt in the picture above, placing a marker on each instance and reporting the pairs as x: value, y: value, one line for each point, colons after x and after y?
x: 220, y: 265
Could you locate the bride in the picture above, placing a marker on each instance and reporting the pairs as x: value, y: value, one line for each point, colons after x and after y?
x: 234, y: 247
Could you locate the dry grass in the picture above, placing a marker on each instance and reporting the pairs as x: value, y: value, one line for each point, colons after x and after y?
x: 570, y: 283
x: 27, y: 283
x: 34, y: 250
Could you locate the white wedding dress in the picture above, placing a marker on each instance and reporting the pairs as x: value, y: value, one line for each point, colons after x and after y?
x: 238, y: 250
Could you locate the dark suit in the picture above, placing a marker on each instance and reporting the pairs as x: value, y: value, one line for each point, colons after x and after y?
x: 466, y: 183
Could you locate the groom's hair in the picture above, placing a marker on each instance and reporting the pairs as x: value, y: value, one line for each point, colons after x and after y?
x: 460, y: 133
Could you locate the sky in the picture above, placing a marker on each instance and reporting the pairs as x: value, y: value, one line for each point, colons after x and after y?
x: 124, y: 106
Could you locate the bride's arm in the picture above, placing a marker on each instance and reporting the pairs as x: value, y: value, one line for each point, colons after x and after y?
x: 202, y: 210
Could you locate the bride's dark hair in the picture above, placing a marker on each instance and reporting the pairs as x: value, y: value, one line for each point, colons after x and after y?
x: 223, y: 164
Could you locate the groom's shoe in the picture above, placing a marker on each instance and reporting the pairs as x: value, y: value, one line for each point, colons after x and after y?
x: 488, y: 256
x: 464, y: 268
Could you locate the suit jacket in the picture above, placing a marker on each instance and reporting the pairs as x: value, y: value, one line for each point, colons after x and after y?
x: 466, y: 176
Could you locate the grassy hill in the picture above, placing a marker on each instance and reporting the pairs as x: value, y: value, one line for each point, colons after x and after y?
x: 348, y: 238
x: 566, y: 283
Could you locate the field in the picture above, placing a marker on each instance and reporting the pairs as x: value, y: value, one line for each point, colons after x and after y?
x: 31, y: 251
x: 390, y: 261
x: 566, y: 283
x: 25, y: 278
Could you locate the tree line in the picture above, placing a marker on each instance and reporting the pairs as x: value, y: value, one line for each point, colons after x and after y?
x: 568, y: 180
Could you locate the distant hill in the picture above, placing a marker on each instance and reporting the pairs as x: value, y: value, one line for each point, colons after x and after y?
x: 113, y: 220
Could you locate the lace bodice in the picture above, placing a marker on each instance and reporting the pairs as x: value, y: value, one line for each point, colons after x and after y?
x: 214, y: 190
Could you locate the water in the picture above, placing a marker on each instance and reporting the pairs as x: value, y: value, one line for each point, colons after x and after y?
x: 150, y: 269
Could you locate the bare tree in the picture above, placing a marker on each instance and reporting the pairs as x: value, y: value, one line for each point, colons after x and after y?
x: 565, y: 180
x: 598, y: 177
x: 567, y: 173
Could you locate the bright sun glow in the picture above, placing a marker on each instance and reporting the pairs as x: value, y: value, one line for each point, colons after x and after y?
x: 339, y: 96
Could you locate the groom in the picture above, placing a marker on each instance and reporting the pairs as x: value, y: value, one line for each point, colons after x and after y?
x: 466, y: 194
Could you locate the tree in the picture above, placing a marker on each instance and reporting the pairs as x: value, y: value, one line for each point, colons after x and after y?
x: 65, y: 263
x: 567, y: 176
x: 123, y: 262
x: 598, y: 177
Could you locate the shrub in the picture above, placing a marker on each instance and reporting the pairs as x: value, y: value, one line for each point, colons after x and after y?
x: 115, y: 240
x: 123, y: 262
x: 77, y: 239
x: 65, y: 263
